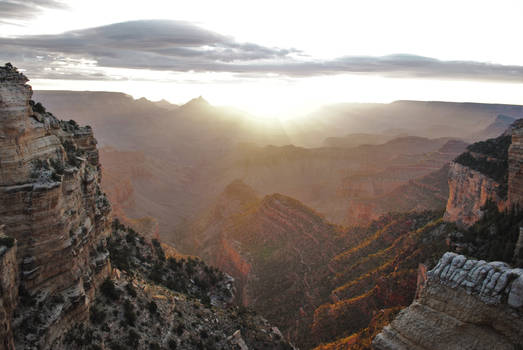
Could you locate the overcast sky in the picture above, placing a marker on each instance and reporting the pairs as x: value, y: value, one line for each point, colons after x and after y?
x: 271, y: 57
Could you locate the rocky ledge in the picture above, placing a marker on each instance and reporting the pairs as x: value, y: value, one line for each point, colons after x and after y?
x: 465, y: 304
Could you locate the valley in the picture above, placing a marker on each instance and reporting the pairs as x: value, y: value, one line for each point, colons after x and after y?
x: 327, y: 243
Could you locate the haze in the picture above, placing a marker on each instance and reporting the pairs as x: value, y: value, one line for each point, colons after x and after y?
x: 268, y: 58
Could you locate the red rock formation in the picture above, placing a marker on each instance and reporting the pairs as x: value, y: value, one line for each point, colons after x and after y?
x: 51, y: 203
x: 488, y: 170
x: 469, y: 191
x: 276, y: 248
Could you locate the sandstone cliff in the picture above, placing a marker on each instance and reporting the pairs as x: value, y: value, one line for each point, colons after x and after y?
x: 51, y: 203
x: 469, y: 191
x: 466, y: 304
x: 489, y: 170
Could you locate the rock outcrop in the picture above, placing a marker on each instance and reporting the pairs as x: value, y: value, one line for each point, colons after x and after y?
x: 469, y: 191
x: 466, y: 304
x: 490, y: 170
x: 515, y: 165
x: 52, y: 204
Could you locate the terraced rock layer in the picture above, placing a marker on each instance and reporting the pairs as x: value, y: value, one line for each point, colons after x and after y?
x: 51, y: 203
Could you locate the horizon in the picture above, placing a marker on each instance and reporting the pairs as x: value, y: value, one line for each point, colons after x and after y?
x: 327, y: 105
x: 332, y: 53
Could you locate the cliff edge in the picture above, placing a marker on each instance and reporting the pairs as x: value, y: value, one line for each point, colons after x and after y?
x: 488, y: 170
x: 465, y: 304
x: 52, y: 204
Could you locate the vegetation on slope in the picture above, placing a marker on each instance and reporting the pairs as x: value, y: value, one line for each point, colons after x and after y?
x: 156, y: 302
x: 493, y: 237
x: 378, y: 273
x: 489, y: 157
x: 363, y: 339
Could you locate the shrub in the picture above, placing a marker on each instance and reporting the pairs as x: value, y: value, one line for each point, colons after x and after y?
x: 153, y: 308
x: 96, y: 315
x: 129, y: 314
x: 109, y: 290
x: 38, y: 107
x: 154, y: 346
x: 7, y: 241
x: 133, y: 339
x: 130, y: 290
x: 180, y: 328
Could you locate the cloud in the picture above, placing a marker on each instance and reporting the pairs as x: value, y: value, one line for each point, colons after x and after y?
x: 25, y: 9
x: 178, y: 46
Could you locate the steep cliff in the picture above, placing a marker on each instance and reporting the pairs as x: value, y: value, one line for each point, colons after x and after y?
x: 488, y: 170
x: 51, y: 203
x: 515, y: 165
x: 465, y: 304
x: 8, y: 289
x: 469, y: 191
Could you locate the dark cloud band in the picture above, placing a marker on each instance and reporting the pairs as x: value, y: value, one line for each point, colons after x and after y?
x: 24, y: 9
x: 182, y: 47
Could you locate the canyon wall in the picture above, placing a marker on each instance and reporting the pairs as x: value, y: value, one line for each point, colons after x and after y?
x: 52, y: 204
x: 466, y: 304
x: 8, y: 289
x: 469, y: 191
x: 488, y: 170
x: 515, y: 164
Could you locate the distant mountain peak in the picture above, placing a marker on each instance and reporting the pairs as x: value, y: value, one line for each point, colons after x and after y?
x: 198, y: 102
x: 163, y: 103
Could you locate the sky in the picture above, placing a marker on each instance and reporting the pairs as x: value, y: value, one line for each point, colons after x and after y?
x: 271, y: 58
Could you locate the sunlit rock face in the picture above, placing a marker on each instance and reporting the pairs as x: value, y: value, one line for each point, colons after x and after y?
x: 488, y: 170
x: 51, y: 203
x: 469, y: 190
x: 466, y: 304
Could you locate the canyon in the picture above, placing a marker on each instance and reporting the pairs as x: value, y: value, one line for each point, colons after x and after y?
x: 329, y: 244
x: 370, y: 271
x: 68, y: 279
x: 193, y: 151
x: 467, y: 303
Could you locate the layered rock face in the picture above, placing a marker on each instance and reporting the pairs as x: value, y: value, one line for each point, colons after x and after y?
x: 466, y: 304
x: 488, y: 170
x: 8, y: 289
x: 515, y: 164
x: 469, y: 190
x: 51, y: 203
x: 276, y: 248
